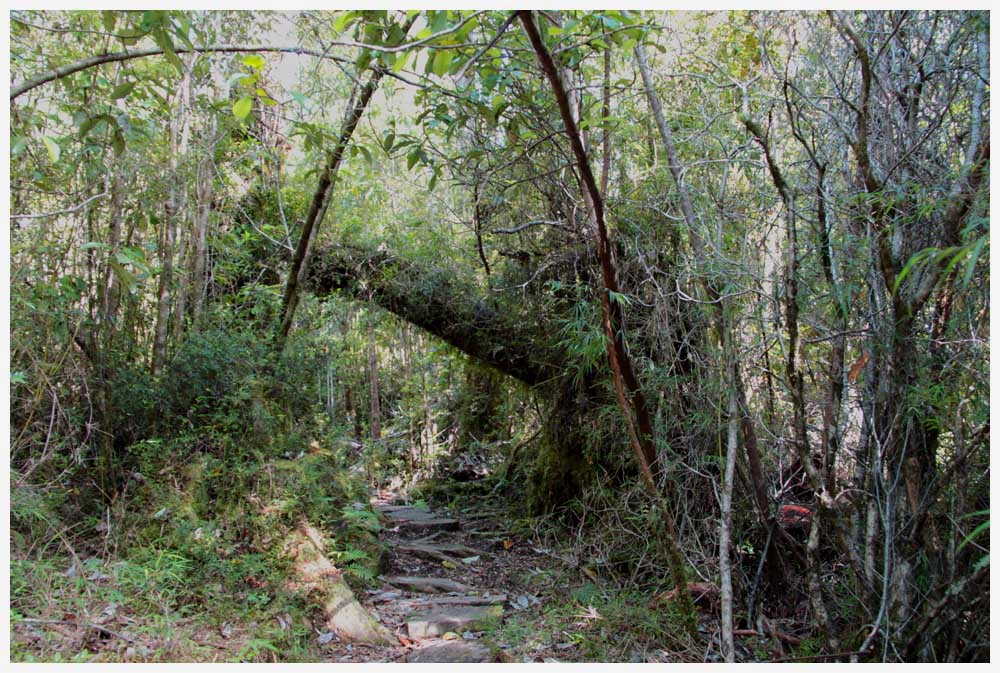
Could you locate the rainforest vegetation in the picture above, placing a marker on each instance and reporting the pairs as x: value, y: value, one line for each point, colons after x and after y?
x: 643, y: 336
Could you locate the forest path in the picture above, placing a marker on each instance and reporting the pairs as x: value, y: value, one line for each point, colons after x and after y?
x: 450, y: 579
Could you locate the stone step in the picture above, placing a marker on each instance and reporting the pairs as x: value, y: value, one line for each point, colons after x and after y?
x: 427, y: 524
x: 418, y: 519
x: 441, y: 619
x: 428, y: 585
x: 431, y: 601
x: 411, y: 514
x: 450, y: 652
x: 440, y: 552
x: 392, y: 508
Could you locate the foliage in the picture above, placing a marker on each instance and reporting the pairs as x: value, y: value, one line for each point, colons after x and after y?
x: 804, y: 225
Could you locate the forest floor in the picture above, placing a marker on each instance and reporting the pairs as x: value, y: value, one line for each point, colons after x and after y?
x: 468, y: 586
x: 488, y: 587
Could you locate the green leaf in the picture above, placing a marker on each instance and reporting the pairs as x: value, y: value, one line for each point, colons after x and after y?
x: 412, y: 158
x: 343, y: 21
x: 52, y: 147
x: 238, y: 78
x: 918, y: 258
x: 974, y: 534
x: 442, y: 61
x: 620, y: 299
x: 122, y: 90
x: 125, y: 277
x: 118, y: 143
x: 400, y: 62
x: 254, y: 61
x: 164, y: 42
x: 387, y: 141
x: 970, y: 264
x: 242, y: 107
x: 89, y: 123
x: 108, y: 17
x: 18, y: 146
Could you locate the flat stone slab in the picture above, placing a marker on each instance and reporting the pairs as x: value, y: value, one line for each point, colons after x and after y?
x: 421, y: 519
x: 430, y: 601
x: 451, y: 652
x: 429, y: 524
x: 410, y: 514
x: 392, y: 508
x: 428, y: 585
x: 441, y: 619
x: 440, y: 552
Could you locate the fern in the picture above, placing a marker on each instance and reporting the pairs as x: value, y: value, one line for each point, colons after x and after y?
x: 353, y: 561
x: 351, y: 554
x: 362, y: 518
x: 362, y: 572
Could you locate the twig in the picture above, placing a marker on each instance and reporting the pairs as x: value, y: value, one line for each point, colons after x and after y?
x: 59, y: 212
x: 489, y: 45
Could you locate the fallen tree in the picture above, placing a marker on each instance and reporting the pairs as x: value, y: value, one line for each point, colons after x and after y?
x: 318, y: 577
x: 507, y: 336
x: 434, y: 300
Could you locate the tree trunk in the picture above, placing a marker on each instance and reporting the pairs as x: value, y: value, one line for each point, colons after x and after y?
x: 630, y: 397
x: 321, y: 198
x: 204, y: 193
x: 725, y: 530
x: 376, y: 409
x: 178, y: 147
x: 163, y: 292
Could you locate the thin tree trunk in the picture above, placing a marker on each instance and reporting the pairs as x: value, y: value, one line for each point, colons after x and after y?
x: 605, y: 114
x: 376, y: 409
x: 630, y: 397
x: 321, y: 199
x: 178, y: 147
x: 725, y: 528
x: 204, y: 193
x: 701, y: 256
x: 352, y: 411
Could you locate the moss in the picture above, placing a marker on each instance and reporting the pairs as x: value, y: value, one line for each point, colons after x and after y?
x: 563, y: 468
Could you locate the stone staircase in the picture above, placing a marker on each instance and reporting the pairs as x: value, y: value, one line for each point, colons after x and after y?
x: 443, y: 616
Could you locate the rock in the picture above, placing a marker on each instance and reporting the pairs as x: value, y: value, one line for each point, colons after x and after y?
x: 451, y: 652
x: 428, y: 585
x: 440, y: 552
x: 443, y: 618
x: 495, y: 599
x: 392, y: 508
x: 421, y: 520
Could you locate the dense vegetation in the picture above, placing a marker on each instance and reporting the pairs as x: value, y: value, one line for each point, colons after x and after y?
x: 699, y: 300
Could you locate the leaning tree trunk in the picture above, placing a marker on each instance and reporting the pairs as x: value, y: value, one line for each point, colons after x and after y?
x: 630, y: 397
x: 360, y: 96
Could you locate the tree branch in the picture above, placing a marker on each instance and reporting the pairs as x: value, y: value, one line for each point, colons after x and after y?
x: 60, y: 212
